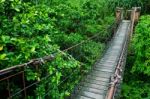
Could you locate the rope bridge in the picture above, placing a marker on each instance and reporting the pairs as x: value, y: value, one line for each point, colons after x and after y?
x: 104, y: 79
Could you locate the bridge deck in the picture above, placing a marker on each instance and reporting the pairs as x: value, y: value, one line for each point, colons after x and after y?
x: 96, y: 84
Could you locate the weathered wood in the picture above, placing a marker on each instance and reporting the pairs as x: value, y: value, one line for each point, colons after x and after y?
x: 119, y: 16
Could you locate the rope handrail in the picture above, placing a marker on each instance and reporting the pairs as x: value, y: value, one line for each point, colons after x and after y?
x: 118, y: 70
x: 32, y: 61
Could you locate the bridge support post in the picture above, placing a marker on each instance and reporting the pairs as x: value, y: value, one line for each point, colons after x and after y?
x: 135, y: 14
x: 119, y: 15
x: 128, y: 16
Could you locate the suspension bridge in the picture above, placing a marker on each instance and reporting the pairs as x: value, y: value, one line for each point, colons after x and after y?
x: 105, y: 78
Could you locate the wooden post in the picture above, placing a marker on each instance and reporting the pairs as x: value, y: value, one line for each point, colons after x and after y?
x: 137, y: 14
x: 128, y: 16
x: 132, y: 20
x: 119, y: 15
x: 134, y: 17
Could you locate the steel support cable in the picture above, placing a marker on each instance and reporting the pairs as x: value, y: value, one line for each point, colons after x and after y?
x: 11, y: 76
x: 35, y: 83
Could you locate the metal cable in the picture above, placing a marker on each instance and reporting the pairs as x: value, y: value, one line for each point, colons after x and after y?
x: 35, y: 83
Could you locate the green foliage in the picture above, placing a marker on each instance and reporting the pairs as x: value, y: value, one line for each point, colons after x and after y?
x: 142, y: 46
x: 35, y: 28
x: 136, y: 80
x: 136, y: 90
x: 23, y: 49
x: 128, y: 4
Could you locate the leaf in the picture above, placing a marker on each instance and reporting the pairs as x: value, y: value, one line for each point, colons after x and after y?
x: 2, y: 1
x: 17, y: 9
x: 1, y: 48
x: 2, y: 56
x: 47, y: 38
x: 33, y: 49
x: 67, y: 93
x: 31, y: 75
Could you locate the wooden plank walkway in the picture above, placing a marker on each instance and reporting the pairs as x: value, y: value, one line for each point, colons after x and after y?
x: 96, y: 84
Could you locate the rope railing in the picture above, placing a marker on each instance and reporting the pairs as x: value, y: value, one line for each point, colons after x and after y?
x: 32, y: 61
x: 19, y: 70
x: 117, y: 77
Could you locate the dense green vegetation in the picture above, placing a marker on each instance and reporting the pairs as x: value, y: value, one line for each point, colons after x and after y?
x: 35, y: 28
x: 128, y: 4
x: 136, y: 80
